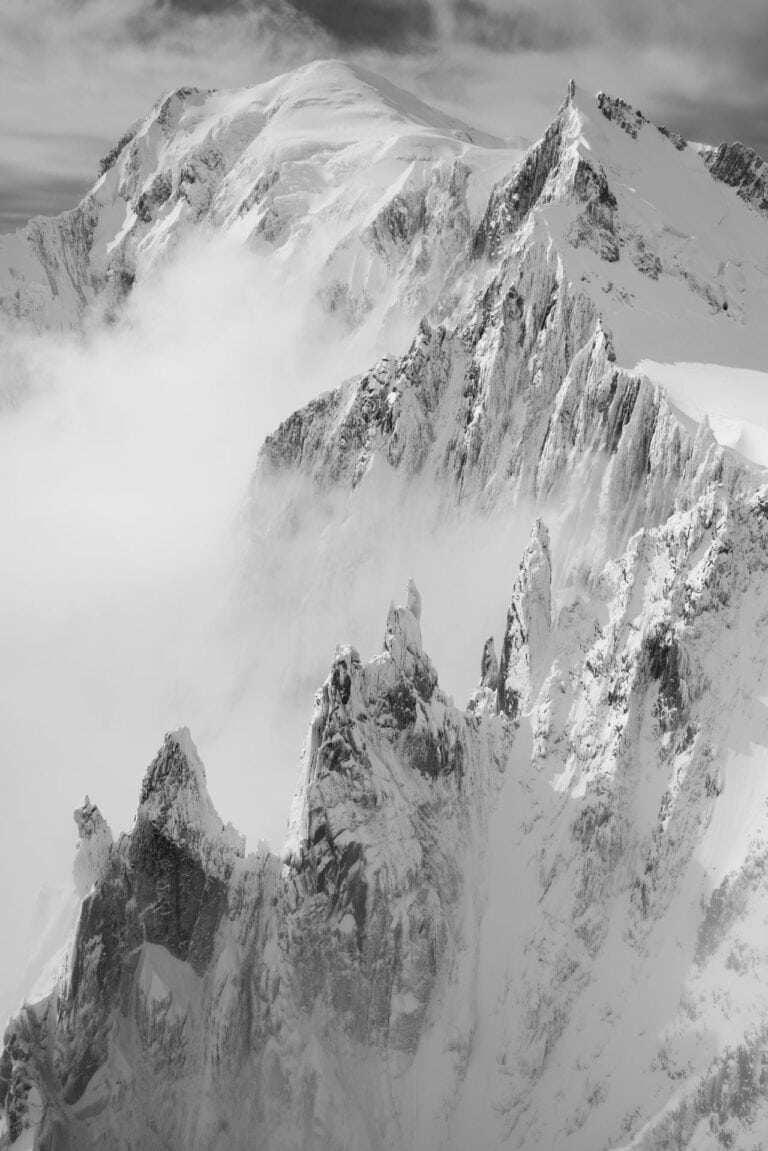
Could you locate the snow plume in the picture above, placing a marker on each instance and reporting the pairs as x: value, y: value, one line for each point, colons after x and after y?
x: 136, y: 594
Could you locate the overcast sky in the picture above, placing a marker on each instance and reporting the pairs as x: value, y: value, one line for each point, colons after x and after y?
x: 76, y: 73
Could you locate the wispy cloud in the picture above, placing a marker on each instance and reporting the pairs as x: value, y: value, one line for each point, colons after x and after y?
x: 137, y: 595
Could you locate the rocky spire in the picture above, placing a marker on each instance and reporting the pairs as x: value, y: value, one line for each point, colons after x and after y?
x: 483, y: 700
x: 528, y: 624
x: 175, y: 800
x: 414, y: 599
x: 94, y: 848
x: 489, y: 666
x: 402, y: 641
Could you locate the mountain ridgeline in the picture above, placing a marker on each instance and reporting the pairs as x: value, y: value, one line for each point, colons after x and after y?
x: 537, y: 921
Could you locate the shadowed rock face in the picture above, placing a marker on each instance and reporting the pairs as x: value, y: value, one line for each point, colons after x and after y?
x: 177, y: 904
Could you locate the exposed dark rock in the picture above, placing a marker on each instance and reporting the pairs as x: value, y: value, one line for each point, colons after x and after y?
x: 743, y: 169
x: 178, y: 904
x: 489, y: 666
x: 154, y: 197
x: 513, y: 199
x: 258, y: 192
x: 113, y: 154
x: 674, y: 137
x: 629, y: 119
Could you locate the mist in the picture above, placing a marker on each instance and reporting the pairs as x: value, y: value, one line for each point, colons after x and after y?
x: 139, y: 589
x: 125, y: 459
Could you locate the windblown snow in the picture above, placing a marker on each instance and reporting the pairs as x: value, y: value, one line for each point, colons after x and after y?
x: 537, y: 920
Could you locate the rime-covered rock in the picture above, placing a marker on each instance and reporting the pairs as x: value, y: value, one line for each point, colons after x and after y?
x: 94, y: 848
x: 526, y: 639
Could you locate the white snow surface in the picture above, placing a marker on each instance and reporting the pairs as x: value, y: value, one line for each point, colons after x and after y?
x: 734, y: 401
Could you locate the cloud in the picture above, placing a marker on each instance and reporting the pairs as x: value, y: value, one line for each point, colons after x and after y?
x: 139, y: 593
x: 125, y: 459
x: 502, y: 30
x: 391, y: 24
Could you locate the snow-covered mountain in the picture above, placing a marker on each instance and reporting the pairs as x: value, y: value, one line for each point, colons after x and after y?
x: 372, y: 191
x: 537, y: 921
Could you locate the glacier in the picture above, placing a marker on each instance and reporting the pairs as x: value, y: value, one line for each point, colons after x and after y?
x: 536, y: 921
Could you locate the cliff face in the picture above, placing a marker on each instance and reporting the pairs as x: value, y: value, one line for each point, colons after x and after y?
x: 537, y: 921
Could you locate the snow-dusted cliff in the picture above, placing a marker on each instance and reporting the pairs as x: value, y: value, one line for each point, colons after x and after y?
x: 536, y: 922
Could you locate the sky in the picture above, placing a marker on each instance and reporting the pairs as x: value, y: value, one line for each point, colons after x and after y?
x: 76, y: 73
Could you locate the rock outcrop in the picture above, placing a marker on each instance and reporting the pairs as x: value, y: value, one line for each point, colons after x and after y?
x: 741, y: 168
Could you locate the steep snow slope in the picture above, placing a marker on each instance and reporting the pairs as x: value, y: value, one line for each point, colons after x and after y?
x: 371, y: 189
x: 537, y: 922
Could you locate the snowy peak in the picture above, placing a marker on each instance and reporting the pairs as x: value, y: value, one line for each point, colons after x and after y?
x: 372, y: 191
x: 356, y: 96
x: 402, y: 642
x: 382, y: 732
x: 175, y: 801
x: 94, y: 846
x: 674, y: 261
x: 566, y: 164
x: 525, y: 648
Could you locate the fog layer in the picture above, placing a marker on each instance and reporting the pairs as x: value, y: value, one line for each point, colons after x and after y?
x: 137, y: 593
